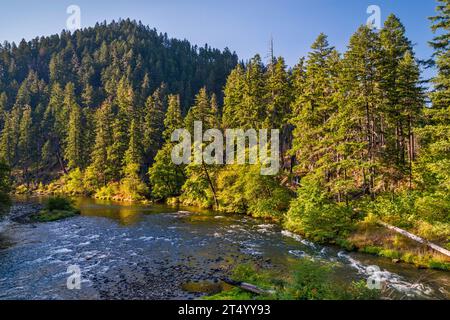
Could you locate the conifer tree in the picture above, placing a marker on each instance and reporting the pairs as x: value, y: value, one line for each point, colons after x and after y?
x: 441, y: 45
x: 120, y: 127
x: 411, y: 101
x: 74, y: 141
x: 6, y: 147
x: 253, y: 111
x: 132, y: 183
x: 54, y: 127
x: 314, y: 104
x: 10, y: 137
x: 245, y: 96
x: 394, y: 46
x: 279, y: 99
x: 173, y: 119
x: 201, y: 176
x: 99, y: 172
x: 155, y: 108
x: 133, y: 154
x: 26, y: 152
x: 201, y: 111
x: 433, y: 164
x: 145, y: 89
x: 216, y: 123
x: 69, y: 101
x: 234, y: 96
x: 278, y: 95
x: 3, y: 108
x: 88, y: 96
x: 166, y: 178
x: 5, y: 184
x: 359, y: 115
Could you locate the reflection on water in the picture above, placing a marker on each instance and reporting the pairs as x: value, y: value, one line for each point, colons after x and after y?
x: 128, y: 214
x: 157, y: 252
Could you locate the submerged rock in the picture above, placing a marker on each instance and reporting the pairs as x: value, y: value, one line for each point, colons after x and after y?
x: 22, y: 212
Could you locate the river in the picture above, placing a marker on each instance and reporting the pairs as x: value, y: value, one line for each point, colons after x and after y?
x: 156, y: 252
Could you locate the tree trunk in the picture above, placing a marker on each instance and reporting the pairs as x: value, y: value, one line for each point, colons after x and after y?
x: 213, y: 189
x: 416, y: 238
x: 246, y: 286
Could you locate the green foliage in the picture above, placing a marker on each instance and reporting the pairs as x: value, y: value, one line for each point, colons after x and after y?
x: 427, y: 215
x: 252, y: 111
x: 389, y: 253
x: 243, y: 189
x: 58, y: 203
x: 25, y: 146
x: 56, y: 208
x: 250, y: 274
x: 100, y: 170
x: 313, y: 214
x: 233, y: 98
x: 346, y: 244
x: 439, y: 265
x: 433, y: 231
x: 433, y: 207
x: 314, y: 106
x: 441, y: 45
x: 74, y: 183
x: 132, y: 188
x: 371, y: 250
x: 200, y: 187
x: 312, y: 280
x: 48, y: 113
x: 74, y: 142
x: 107, y: 192
x: 133, y: 155
x: 5, y: 184
x: 419, y: 260
x: 55, y: 215
x: 397, y: 210
x: 249, y: 89
x: 234, y: 294
x: 203, y: 110
x: 120, y: 127
x: 153, y: 128
x: 166, y: 178
x: 100, y: 108
x: 173, y: 119
x: 278, y: 95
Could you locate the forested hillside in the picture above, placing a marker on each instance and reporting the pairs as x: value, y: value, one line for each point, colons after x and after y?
x: 51, y: 88
x: 93, y: 113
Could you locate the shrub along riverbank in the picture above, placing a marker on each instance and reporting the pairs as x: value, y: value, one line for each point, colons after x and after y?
x: 55, y: 208
x: 310, y: 281
x: 354, y: 227
x: 358, y: 144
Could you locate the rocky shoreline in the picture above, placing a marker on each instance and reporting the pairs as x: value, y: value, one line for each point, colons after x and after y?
x: 21, y: 212
x: 156, y: 279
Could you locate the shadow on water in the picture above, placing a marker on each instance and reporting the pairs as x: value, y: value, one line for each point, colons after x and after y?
x: 128, y: 214
x: 131, y: 251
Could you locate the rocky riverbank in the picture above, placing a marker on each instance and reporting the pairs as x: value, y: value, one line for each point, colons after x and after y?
x: 23, y: 212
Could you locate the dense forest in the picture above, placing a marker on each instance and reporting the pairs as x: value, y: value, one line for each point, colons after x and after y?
x: 52, y: 87
x: 362, y: 140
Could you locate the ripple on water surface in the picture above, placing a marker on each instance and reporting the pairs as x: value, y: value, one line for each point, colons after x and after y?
x: 158, y: 254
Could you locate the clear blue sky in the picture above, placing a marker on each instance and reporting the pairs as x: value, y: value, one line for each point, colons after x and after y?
x: 244, y: 26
